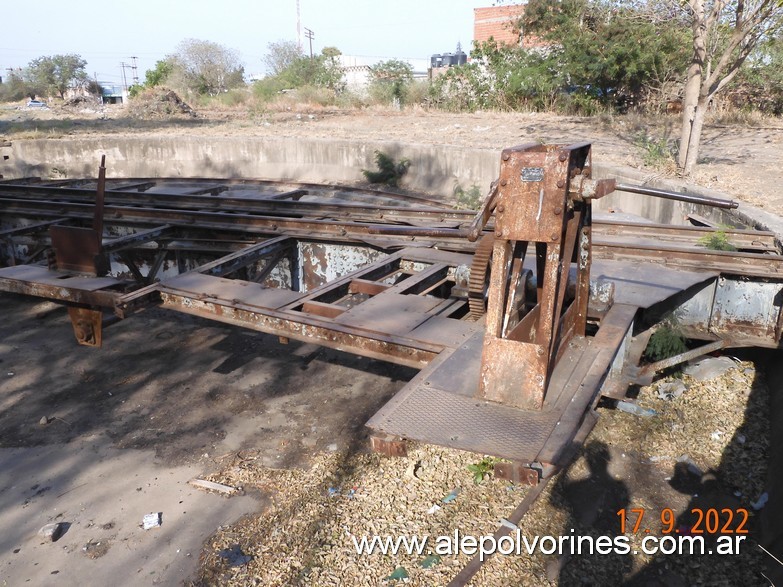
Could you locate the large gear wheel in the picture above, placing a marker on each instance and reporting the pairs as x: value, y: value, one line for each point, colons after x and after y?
x: 479, y: 277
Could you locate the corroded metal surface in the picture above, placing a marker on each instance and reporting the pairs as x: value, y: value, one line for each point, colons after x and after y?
x: 514, y: 339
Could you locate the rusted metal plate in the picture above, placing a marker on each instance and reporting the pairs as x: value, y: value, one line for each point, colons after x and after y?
x: 514, y: 373
x: 389, y: 445
x: 517, y: 473
x: 229, y: 291
x: 77, y: 249
x: 458, y: 371
x: 391, y: 313
x: 646, y: 284
x: 743, y: 307
x: 325, y: 262
x: 437, y: 416
x: 446, y: 331
x: 36, y: 274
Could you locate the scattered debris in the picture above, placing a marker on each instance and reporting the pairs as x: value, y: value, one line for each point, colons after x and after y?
x: 45, y: 420
x: 234, y: 556
x: 152, y: 520
x: 433, y: 509
x: 96, y: 548
x: 212, y: 486
x: 451, y: 496
x: 399, y: 574
x: 707, y: 368
x: 159, y: 103
x: 430, y: 561
x: 636, y: 410
x: 53, y: 531
x: 671, y: 390
x: 760, y: 502
x: 508, y: 524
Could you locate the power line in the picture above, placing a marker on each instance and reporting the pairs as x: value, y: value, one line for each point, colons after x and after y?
x: 135, y: 73
x: 310, y: 35
x: 123, y: 65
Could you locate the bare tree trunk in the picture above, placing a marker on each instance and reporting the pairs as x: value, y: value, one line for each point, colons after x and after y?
x: 693, y: 84
x: 695, y: 138
x: 689, y: 103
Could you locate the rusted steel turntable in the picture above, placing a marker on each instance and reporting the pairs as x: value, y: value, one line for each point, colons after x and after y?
x: 520, y: 317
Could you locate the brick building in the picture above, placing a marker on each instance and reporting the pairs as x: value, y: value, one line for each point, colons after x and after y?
x: 499, y: 22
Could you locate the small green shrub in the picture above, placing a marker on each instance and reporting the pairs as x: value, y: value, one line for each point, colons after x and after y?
x: 655, y: 152
x: 469, y: 199
x: 482, y: 469
x: 666, y: 342
x: 717, y: 241
x: 389, y: 171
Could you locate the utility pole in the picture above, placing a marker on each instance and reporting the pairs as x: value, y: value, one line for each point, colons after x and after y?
x: 298, y: 28
x: 310, y: 35
x: 135, y: 73
x: 123, y: 65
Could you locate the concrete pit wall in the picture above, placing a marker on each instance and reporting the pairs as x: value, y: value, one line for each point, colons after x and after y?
x: 435, y: 169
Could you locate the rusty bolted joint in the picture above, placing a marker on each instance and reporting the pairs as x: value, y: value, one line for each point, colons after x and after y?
x: 583, y: 188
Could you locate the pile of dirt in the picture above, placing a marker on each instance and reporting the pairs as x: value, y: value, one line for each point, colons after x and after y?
x: 159, y: 103
x: 81, y: 101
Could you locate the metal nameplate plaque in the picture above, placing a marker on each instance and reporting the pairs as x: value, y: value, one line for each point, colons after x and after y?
x: 532, y: 174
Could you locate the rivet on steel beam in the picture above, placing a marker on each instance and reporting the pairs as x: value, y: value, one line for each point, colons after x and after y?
x: 555, y: 237
x: 504, y: 182
x: 506, y: 156
x: 540, y: 351
x: 558, y: 211
x: 563, y: 156
x: 560, y: 183
x: 501, y: 208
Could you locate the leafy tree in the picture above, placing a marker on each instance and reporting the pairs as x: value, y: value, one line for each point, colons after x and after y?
x: 759, y: 84
x: 280, y: 56
x: 57, y: 73
x: 205, y: 67
x: 608, y: 49
x: 292, y: 70
x: 390, y: 80
x: 157, y: 76
x: 14, y: 87
x: 724, y: 33
x: 499, y: 77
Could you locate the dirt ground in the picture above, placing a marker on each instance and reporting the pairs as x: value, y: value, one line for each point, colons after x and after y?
x: 170, y: 397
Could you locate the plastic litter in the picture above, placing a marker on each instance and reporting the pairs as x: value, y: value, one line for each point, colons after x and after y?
x: 399, y: 573
x: 234, y: 556
x: 630, y: 408
x: 451, y: 496
x: 760, y: 502
x: 152, y: 520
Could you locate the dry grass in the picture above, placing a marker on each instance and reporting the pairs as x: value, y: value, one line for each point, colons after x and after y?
x: 305, y: 537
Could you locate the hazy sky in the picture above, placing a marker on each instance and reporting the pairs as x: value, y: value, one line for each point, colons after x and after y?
x: 109, y: 32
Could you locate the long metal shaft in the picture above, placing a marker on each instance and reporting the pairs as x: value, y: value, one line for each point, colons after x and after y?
x: 693, y: 199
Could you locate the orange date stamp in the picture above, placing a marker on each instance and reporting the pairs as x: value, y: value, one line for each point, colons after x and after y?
x: 706, y: 521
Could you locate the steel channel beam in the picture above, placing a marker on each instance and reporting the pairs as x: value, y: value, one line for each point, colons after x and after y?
x: 370, y: 344
x: 103, y: 298
x: 224, y: 221
x: 740, y: 238
x: 146, y: 183
x: 193, y: 201
x: 751, y: 264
